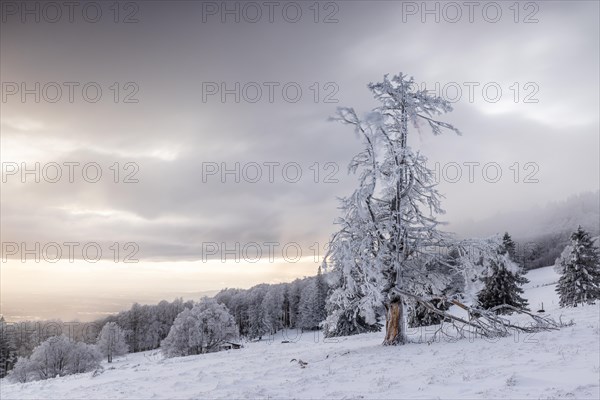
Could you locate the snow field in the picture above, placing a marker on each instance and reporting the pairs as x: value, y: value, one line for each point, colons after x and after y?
x: 546, y: 365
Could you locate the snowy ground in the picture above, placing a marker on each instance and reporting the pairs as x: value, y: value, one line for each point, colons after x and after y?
x: 548, y: 365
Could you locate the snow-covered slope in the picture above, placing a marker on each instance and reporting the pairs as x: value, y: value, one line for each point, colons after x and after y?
x: 557, y: 364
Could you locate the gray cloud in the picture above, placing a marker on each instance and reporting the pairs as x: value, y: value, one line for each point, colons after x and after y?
x: 171, y: 132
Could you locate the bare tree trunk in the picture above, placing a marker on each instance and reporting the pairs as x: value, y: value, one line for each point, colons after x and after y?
x: 394, y: 326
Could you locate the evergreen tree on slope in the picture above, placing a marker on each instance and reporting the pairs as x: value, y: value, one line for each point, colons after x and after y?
x: 503, y: 283
x: 580, y: 281
x: 509, y: 246
x: 421, y: 316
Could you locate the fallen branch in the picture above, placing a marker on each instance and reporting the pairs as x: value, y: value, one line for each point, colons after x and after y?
x: 486, y: 323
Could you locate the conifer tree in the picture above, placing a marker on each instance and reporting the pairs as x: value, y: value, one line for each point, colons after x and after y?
x: 580, y: 280
x: 509, y: 246
x: 419, y: 315
x: 503, y: 284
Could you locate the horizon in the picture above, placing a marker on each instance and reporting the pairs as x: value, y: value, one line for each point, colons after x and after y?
x: 106, y: 305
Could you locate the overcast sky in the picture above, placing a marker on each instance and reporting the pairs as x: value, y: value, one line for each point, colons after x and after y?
x: 174, y: 60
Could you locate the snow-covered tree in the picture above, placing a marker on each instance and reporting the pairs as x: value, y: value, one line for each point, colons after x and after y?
x: 345, y: 320
x: 200, y: 329
x: 509, y: 246
x: 22, y: 371
x: 285, y: 307
x: 312, y: 303
x: 30, y: 335
x: 52, y: 357
x: 349, y: 311
x: 83, y: 358
x: 8, y: 351
x: 217, y: 324
x: 502, y: 284
x: 580, y: 280
x: 389, y: 222
x: 321, y: 292
x: 56, y: 356
x: 272, y: 308
x: 421, y: 316
x: 146, y: 325
x: 503, y: 278
x: 135, y: 328
x: 111, y: 341
x: 295, y: 289
x: 264, y: 309
x: 257, y: 326
x: 563, y: 259
x: 236, y: 302
x: 184, y: 337
x: 449, y: 263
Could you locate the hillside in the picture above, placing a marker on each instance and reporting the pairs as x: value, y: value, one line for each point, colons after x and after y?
x: 559, y: 364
